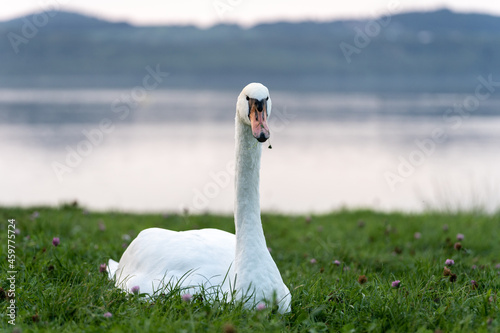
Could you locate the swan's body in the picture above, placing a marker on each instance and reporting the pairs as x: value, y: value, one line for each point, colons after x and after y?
x: 211, y: 258
x: 158, y: 257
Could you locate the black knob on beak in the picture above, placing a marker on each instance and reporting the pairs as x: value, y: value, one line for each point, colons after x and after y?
x: 262, y: 137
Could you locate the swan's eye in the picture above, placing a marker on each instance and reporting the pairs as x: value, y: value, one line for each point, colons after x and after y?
x: 248, y: 98
x: 267, y: 98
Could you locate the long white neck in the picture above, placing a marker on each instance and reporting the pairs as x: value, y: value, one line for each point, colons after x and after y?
x: 256, y: 272
x: 250, y: 241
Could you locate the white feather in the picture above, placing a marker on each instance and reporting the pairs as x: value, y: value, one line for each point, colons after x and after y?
x: 211, y: 258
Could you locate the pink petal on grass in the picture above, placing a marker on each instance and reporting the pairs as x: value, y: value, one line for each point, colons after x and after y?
x: 449, y: 262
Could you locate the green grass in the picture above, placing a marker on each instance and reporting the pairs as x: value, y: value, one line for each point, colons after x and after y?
x: 60, y: 288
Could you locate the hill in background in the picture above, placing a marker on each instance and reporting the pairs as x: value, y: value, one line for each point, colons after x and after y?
x: 431, y: 51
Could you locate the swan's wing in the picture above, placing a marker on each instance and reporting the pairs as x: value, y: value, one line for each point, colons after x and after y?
x: 158, y: 257
x: 112, y: 267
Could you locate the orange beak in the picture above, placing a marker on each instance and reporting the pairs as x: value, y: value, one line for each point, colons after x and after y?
x: 258, y: 120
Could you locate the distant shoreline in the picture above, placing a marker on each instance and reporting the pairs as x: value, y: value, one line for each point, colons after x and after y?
x: 373, y: 84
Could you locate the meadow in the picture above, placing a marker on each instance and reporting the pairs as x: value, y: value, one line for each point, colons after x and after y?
x: 348, y: 271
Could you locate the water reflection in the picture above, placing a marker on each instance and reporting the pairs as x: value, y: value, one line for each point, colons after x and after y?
x: 328, y: 151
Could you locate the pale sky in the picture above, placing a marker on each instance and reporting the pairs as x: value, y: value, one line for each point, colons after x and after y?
x: 244, y: 12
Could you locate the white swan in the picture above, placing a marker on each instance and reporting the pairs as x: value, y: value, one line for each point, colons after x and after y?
x: 211, y: 257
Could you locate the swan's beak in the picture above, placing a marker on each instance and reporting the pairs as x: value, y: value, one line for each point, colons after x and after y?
x: 258, y: 120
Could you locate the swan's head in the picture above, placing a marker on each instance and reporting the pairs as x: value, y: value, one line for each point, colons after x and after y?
x: 253, y: 108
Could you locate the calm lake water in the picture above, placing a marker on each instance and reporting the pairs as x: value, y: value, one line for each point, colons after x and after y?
x: 170, y: 150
